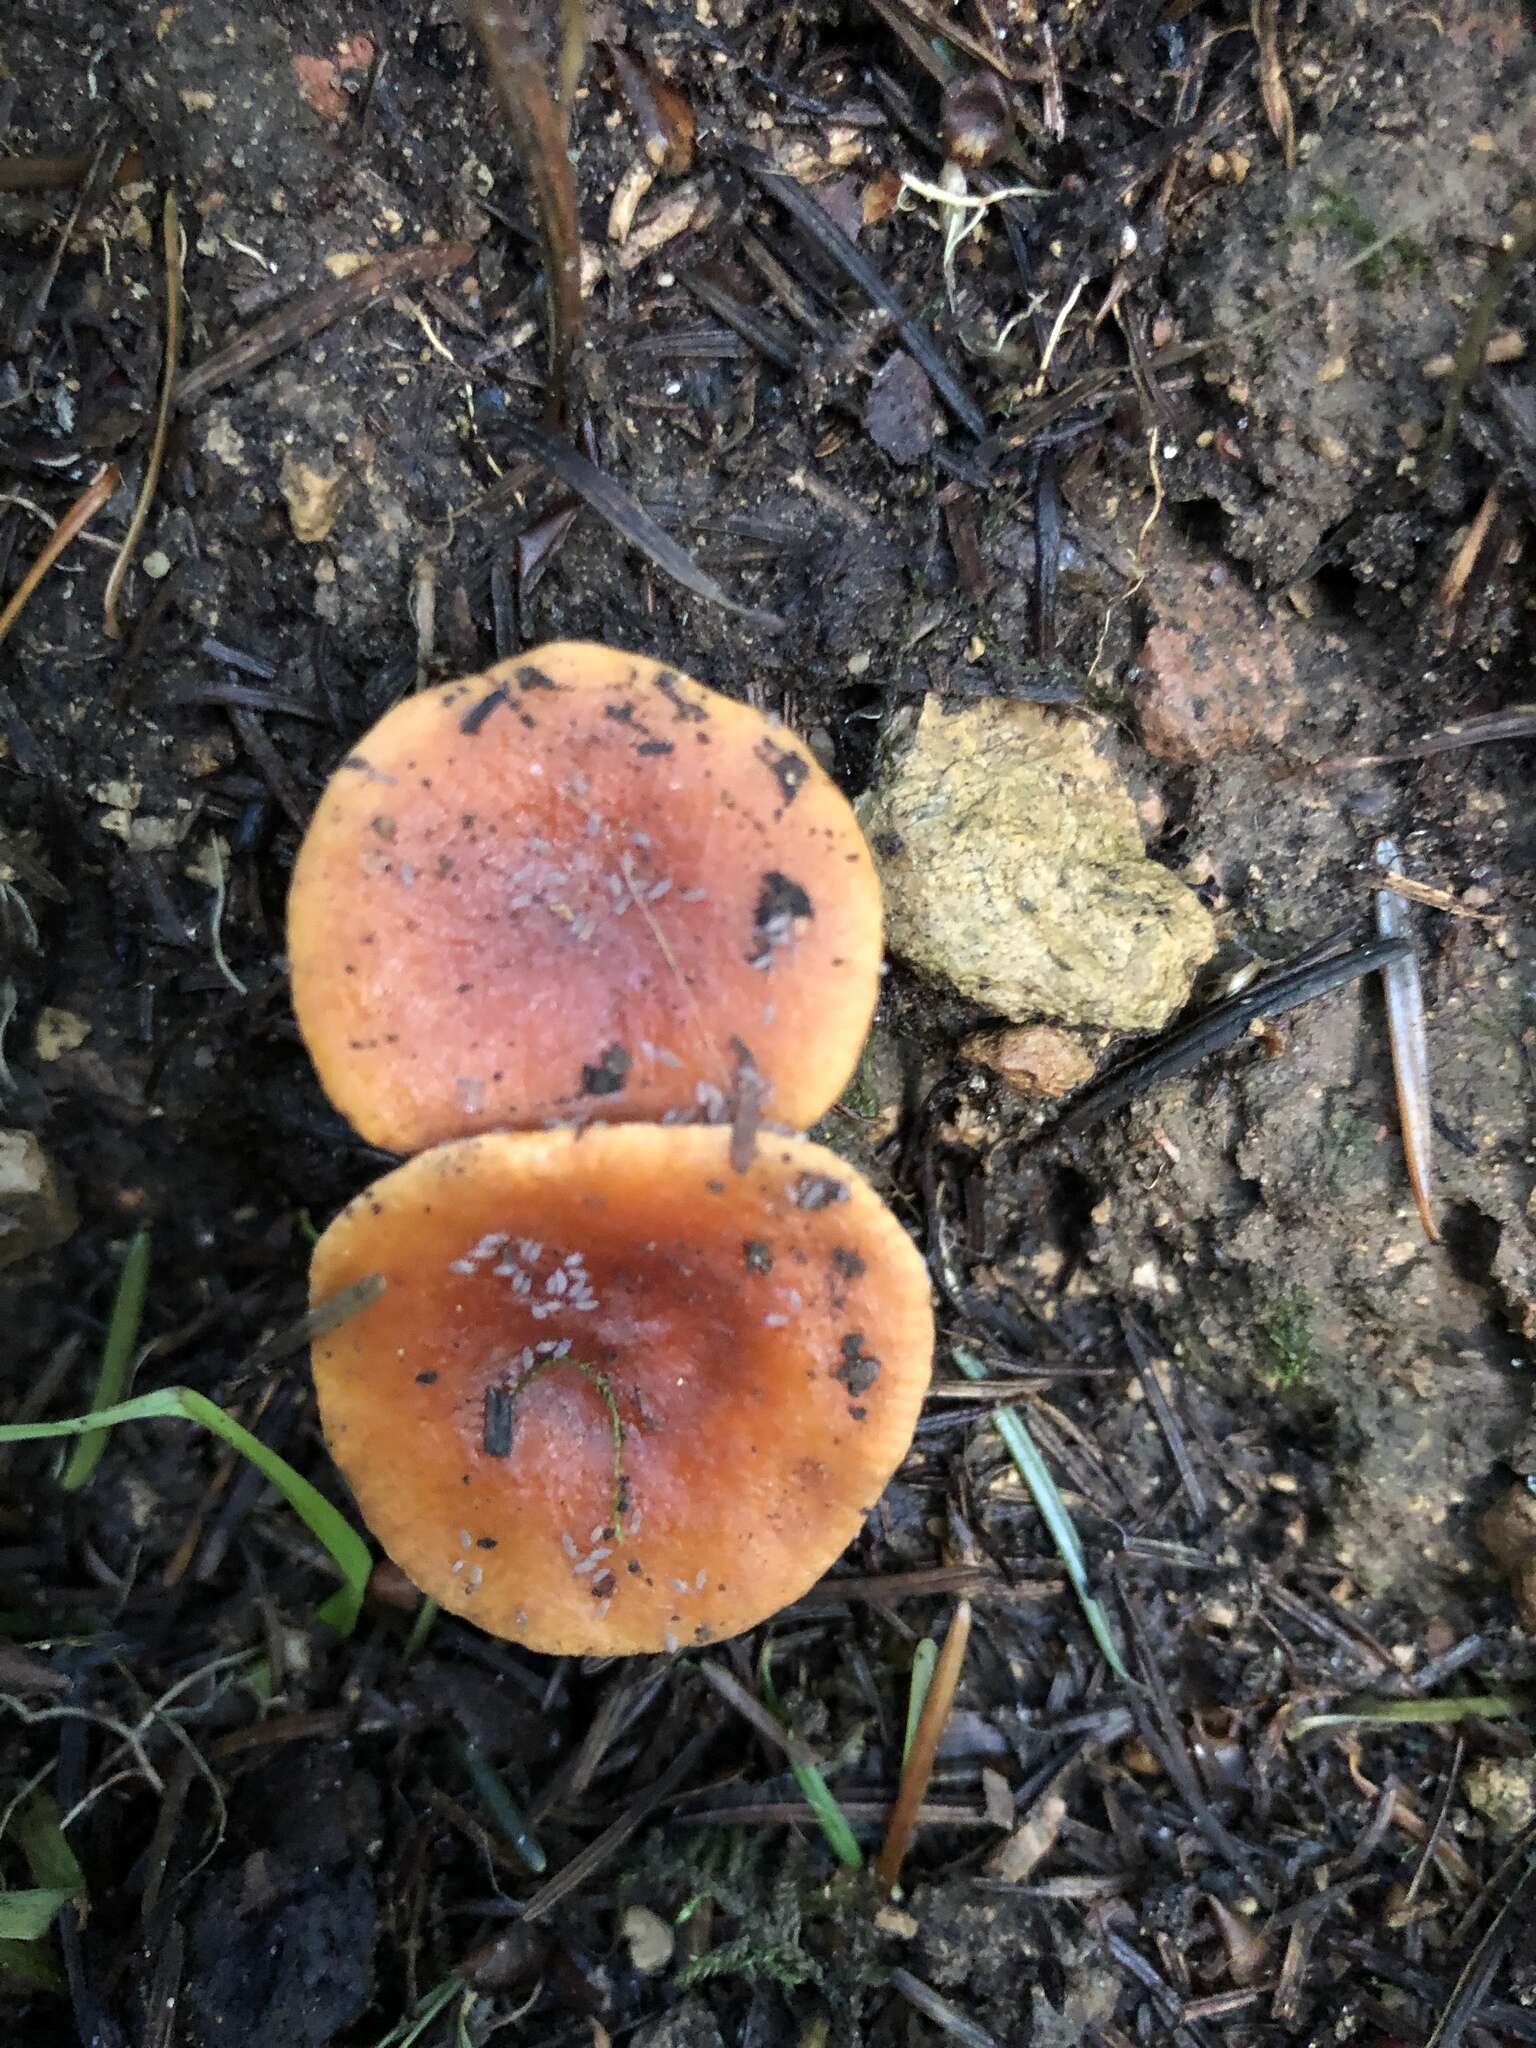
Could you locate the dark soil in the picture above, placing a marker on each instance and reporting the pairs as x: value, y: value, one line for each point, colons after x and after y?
x: 1274, y: 1412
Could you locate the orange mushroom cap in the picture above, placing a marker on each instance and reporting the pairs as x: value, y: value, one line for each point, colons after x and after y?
x: 580, y: 887
x: 616, y: 1396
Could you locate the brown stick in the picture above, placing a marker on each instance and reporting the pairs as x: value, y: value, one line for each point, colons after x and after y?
x: 75, y: 520
x: 539, y: 131
x: 918, y: 1768
x: 61, y: 173
x: 1455, y: 581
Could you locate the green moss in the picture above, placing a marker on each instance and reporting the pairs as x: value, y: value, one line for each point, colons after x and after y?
x: 840, y: 1130
x: 861, y: 1098
x: 1287, y: 1348
x: 776, y: 1916
x: 1337, y: 211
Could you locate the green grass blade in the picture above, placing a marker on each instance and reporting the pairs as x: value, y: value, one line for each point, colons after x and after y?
x: 813, y: 1786
x: 26, y: 1967
x: 924, y: 1658
x: 405, y: 2033
x: 324, y: 1522
x: 27, y: 1916
x: 1491, y: 1706
x: 116, y: 1371
x: 421, y: 1627
x: 501, y: 1806
x: 1036, y: 1475
x: 42, y: 1841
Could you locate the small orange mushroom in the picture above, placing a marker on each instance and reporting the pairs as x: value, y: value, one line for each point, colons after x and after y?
x: 580, y: 887
x: 617, y: 1395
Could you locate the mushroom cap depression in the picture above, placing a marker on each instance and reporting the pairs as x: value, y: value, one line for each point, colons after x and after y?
x: 580, y: 887
x: 617, y: 1396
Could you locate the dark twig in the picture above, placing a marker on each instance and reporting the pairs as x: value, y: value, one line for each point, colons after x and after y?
x: 946, y: 2017
x: 1162, y: 1994
x: 170, y: 235
x: 1223, y: 1025
x: 818, y: 226
x: 1047, y: 557
x: 752, y: 1710
x: 630, y: 520
x: 246, y: 695
x: 1457, y: 1658
x: 1509, y: 2019
x: 93, y: 187
x: 620, y: 1707
x: 857, y: 1812
x: 1437, y: 1821
x: 617, y: 1833
x: 317, y: 1321
x: 236, y: 657
x: 1293, y: 1971
x: 1142, y: 1350
x: 768, y: 339
x: 270, y: 763
x: 1166, y: 1741
x: 302, y: 319
x: 1515, y: 722
x: 160, y: 2014
x: 1476, y: 1979
x: 539, y: 130
x: 1518, y: 241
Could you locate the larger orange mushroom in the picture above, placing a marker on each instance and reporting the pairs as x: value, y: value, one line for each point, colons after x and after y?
x: 618, y: 1395
x: 580, y: 888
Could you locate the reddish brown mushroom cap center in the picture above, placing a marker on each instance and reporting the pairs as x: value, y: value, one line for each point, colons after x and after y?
x: 630, y: 1427
x: 527, y: 899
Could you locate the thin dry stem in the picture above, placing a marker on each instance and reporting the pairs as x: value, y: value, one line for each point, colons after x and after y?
x: 171, y: 234
x: 539, y: 131
x: 1277, y: 101
x: 918, y: 1768
x: 75, y: 520
x: 1455, y: 581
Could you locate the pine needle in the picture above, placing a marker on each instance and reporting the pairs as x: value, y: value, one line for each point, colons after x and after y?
x: 813, y: 1786
x: 171, y: 239
x: 1036, y: 1475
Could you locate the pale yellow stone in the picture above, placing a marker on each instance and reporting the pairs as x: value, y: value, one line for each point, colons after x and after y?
x: 1014, y: 869
x: 59, y: 1032
x: 314, y: 497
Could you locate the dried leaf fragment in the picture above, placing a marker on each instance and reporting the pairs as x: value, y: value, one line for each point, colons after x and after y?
x: 1031, y: 1842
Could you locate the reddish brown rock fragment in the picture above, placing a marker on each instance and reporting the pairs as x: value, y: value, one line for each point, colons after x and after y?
x: 1035, y: 1059
x: 1216, y: 675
